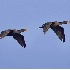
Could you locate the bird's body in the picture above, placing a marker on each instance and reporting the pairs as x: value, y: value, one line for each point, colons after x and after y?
x: 56, y: 28
x: 16, y: 35
x: 11, y: 33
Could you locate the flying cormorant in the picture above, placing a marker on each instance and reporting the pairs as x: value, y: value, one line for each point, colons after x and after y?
x: 56, y: 28
x: 16, y: 35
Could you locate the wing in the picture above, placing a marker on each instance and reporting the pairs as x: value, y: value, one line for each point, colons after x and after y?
x: 4, y: 33
x: 46, y: 26
x: 20, y: 39
x: 59, y: 32
x: 19, y: 31
x: 56, y: 23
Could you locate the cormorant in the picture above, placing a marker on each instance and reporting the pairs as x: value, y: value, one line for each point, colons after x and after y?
x: 16, y: 35
x: 56, y: 28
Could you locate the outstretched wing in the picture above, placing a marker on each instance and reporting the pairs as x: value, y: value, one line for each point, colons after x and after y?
x: 46, y: 26
x: 19, y: 31
x: 4, y: 33
x: 59, y: 32
x: 20, y: 39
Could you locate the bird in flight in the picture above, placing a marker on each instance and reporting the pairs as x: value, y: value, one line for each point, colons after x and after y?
x: 55, y: 26
x: 16, y: 35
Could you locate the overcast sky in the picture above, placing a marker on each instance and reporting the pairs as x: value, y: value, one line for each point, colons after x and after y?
x: 42, y: 50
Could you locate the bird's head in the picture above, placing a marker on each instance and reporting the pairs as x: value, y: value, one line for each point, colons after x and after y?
x: 44, y: 27
x: 66, y: 22
x: 24, y: 29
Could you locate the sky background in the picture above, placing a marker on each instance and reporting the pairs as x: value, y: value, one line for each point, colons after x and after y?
x: 42, y: 50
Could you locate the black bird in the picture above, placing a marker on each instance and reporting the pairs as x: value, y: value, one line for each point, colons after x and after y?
x: 56, y: 28
x: 16, y: 35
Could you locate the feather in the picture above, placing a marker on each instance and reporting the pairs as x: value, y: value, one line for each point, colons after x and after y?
x: 20, y: 39
x: 4, y: 33
x: 59, y: 32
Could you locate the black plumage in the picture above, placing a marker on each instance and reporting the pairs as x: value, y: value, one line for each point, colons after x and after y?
x: 56, y: 28
x: 16, y: 35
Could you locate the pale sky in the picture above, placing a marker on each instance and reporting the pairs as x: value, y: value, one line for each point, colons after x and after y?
x: 42, y: 50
